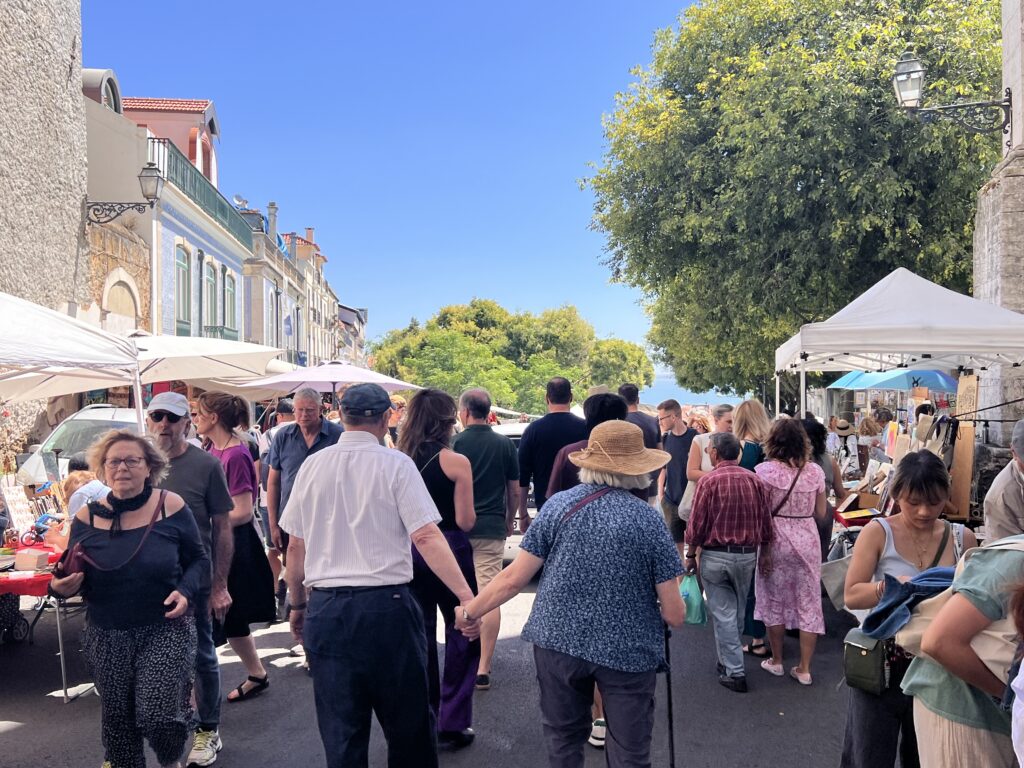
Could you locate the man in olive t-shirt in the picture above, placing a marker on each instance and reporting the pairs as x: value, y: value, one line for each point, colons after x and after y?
x: 495, y: 497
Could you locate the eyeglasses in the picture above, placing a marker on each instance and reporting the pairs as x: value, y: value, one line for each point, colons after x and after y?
x: 664, y: 418
x: 158, y: 416
x: 132, y: 462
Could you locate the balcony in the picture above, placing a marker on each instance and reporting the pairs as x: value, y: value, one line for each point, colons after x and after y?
x: 220, y: 332
x: 177, y: 169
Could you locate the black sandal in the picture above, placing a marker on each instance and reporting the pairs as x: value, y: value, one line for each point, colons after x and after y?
x: 759, y: 649
x: 261, y: 685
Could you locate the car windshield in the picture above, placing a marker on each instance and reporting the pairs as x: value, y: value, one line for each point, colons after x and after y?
x: 76, y: 435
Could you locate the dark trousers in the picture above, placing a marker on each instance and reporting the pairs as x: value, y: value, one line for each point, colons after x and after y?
x: 367, y: 654
x: 451, y: 696
x: 566, y: 693
x: 880, y: 727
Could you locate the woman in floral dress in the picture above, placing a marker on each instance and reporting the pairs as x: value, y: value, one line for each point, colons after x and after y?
x: 788, y: 576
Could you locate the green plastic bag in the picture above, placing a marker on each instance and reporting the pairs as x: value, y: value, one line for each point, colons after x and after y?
x: 689, y: 589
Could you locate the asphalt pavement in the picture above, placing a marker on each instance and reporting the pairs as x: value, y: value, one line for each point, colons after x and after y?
x: 778, y: 723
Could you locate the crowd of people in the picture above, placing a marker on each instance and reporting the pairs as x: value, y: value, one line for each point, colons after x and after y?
x: 400, y: 510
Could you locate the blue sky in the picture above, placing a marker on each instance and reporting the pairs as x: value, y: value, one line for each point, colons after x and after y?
x: 435, y: 147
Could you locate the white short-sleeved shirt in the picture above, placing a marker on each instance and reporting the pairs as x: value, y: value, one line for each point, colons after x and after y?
x: 354, y: 505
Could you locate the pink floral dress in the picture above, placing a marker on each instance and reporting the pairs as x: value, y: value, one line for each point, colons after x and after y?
x: 791, y: 594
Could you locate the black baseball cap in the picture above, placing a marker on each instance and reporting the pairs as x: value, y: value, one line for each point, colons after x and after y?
x: 365, y: 400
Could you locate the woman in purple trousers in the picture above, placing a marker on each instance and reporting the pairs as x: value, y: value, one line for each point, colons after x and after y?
x: 425, y: 437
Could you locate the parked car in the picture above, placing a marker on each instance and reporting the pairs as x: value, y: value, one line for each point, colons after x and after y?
x: 73, y: 436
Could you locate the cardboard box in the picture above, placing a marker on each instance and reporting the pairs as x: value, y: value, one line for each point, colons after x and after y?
x: 30, y: 560
x: 867, y: 500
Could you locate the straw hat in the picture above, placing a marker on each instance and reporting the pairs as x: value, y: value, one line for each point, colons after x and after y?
x: 844, y: 428
x: 618, y: 447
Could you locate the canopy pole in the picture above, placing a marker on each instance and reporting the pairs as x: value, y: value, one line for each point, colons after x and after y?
x: 803, y: 393
x: 778, y: 396
x: 137, y: 388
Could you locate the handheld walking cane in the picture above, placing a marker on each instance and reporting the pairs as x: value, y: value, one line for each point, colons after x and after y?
x: 668, y: 686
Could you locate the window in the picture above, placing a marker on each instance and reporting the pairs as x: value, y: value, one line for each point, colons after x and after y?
x: 209, y: 294
x: 182, y: 286
x: 229, y: 302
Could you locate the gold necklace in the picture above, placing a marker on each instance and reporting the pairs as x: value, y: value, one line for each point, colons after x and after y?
x: 921, y: 551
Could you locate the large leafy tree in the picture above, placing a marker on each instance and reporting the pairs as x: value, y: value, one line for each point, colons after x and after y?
x: 512, y: 355
x: 759, y: 174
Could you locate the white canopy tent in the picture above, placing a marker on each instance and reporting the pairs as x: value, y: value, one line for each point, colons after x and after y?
x: 40, y: 347
x: 904, y: 321
x: 326, y: 377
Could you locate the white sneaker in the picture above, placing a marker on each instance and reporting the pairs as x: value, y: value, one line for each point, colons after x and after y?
x: 598, y: 731
x: 204, y: 748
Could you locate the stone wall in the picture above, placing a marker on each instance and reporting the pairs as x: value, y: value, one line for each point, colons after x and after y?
x: 999, y: 279
x: 116, y: 247
x: 43, y: 168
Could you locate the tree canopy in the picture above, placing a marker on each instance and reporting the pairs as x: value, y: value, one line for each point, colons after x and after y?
x: 512, y: 355
x: 759, y: 174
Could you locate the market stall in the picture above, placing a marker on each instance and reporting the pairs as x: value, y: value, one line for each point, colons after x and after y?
x: 327, y: 377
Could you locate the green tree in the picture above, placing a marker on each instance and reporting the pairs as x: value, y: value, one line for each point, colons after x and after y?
x: 614, y: 362
x: 511, y: 355
x: 759, y: 174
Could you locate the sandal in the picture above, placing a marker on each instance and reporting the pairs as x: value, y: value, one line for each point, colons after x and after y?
x: 757, y: 649
x: 261, y: 684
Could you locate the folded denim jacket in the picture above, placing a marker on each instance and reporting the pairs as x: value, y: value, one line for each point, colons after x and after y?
x: 899, y: 598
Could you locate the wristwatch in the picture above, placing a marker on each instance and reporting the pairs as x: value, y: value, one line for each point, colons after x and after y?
x: 465, y: 615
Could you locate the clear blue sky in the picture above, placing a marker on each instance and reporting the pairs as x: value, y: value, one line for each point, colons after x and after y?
x: 435, y: 147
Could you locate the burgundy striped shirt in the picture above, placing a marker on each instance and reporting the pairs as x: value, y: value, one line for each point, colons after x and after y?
x: 730, y: 506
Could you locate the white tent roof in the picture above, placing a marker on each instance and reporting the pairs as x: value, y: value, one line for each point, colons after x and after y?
x: 326, y: 377
x: 905, y: 321
x: 32, y: 336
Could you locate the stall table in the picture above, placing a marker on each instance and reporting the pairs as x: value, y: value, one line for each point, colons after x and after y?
x: 36, y: 585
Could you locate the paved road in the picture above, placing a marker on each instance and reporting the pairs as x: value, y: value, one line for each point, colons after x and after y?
x: 778, y: 723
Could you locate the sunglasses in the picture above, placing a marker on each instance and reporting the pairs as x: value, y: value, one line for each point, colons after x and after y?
x: 158, y: 416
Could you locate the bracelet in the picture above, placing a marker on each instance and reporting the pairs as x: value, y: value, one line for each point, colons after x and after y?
x: 879, y: 588
x: 300, y: 607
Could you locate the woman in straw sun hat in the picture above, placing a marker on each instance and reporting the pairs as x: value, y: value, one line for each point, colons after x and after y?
x: 608, y: 560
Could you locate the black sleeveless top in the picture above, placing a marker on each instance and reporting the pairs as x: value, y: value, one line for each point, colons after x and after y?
x: 440, y: 487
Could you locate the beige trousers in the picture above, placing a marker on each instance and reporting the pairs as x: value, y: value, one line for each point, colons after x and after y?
x: 943, y: 743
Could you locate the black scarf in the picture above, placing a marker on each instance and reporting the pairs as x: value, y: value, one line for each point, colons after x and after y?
x: 119, y: 506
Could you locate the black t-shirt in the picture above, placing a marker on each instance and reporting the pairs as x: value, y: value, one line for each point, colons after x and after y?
x: 679, y: 447
x: 541, y: 442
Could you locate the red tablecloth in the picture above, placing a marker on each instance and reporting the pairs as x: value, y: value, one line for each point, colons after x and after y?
x: 32, y: 586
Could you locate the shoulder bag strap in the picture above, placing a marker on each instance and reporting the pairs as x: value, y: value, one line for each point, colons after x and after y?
x: 942, y: 545
x: 156, y: 514
x: 577, y: 507
x: 431, y: 459
x: 785, y: 498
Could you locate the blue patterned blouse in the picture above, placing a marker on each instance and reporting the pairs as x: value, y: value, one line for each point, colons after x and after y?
x: 596, y: 600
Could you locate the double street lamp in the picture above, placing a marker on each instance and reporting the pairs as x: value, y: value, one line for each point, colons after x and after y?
x: 152, y: 182
x: 974, y: 116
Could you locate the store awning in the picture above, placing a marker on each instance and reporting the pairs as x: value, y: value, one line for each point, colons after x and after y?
x: 903, y: 379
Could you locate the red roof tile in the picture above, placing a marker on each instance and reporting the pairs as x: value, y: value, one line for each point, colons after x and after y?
x: 298, y: 238
x: 165, y: 105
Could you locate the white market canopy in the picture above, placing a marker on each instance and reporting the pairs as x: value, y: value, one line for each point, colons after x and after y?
x: 153, y: 359
x: 35, y: 337
x: 326, y: 377
x: 905, y: 321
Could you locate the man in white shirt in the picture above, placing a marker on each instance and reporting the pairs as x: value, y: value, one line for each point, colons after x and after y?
x: 350, y: 516
x: 1004, y: 502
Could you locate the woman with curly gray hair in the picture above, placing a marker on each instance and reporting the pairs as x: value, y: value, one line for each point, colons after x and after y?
x: 140, y: 639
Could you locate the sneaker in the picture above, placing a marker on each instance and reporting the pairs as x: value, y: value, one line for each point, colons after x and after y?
x: 452, y: 741
x: 204, y: 748
x: 737, y: 684
x: 107, y: 764
x: 483, y: 682
x: 598, y: 732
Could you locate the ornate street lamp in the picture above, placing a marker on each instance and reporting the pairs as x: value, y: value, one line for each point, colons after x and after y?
x: 973, y: 116
x: 151, y: 180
